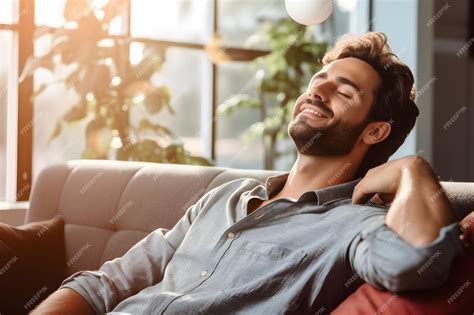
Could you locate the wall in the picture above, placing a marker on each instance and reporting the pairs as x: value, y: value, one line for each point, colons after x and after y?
x: 453, y: 133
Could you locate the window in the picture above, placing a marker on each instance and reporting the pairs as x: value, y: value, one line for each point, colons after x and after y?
x: 6, y: 42
x: 8, y: 70
x: 178, y: 20
x: 197, y: 85
x: 231, y: 150
x: 183, y: 74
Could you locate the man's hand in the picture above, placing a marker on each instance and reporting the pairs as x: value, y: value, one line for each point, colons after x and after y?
x: 419, y: 207
x: 64, y: 301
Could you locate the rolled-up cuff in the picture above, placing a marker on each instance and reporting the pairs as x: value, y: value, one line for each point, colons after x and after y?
x: 415, y: 267
x: 81, y: 283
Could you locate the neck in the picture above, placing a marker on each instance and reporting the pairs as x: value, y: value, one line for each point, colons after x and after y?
x: 316, y: 172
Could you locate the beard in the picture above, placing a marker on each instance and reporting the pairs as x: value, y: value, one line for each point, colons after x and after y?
x: 332, y: 140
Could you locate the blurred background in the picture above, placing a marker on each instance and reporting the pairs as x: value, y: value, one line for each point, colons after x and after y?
x: 208, y: 82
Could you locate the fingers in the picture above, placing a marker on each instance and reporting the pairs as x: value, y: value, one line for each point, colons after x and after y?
x: 386, y: 198
x: 377, y: 199
x: 360, y: 196
x: 466, y: 224
x: 468, y: 219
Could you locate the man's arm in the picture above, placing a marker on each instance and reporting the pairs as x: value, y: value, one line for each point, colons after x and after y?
x: 418, y: 200
x: 415, y: 246
x: 142, y: 266
x: 64, y: 301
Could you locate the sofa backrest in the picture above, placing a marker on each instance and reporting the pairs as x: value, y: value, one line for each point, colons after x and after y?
x: 108, y: 206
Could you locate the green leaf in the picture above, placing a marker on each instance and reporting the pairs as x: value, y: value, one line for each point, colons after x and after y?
x: 96, y: 80
x: 32, y: 63
x: 156, y: 99
x: 170, y: 109
x: 80, y: 45
x: 236, y: 102
x: 73, y: 79
x: 175, y: 154
x: 41, y: 31
x: 113, y: 9
x: 77, y: 112
x: 197, y: 160
x: 123, y: 154
x: 159, y: 129
x: 145, y: 69
x: 87, y: 155
x: 253, y: 132
x: 40, y: 90
x: 98, y: 137
x: 74, y: 9
x: 137, y: 88
x: 269, y: 85
x: 147, y: 150
x: 146, y: 124
x: 56, y: 131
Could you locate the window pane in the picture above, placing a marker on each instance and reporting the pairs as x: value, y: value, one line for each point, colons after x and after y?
x: 48, y: 107
x: 177, y: 20
x: 8, y: 11
x: 351, y: 16
x: 6, y: 42
x: 239, y: 21
x: 231, y: 149
x: 49, y: 12
x: 182, y: 74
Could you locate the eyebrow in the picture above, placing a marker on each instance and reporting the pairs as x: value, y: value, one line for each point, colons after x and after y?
x: 343, y: 80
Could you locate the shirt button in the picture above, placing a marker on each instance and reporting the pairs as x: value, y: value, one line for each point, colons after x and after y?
x: 204, y: 273
x: 231, y: 235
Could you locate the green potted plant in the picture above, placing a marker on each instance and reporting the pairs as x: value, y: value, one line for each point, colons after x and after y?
x: 294, y: 57
x: 108, y: 86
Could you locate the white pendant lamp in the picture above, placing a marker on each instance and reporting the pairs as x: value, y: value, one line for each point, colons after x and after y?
x: 308, y: 12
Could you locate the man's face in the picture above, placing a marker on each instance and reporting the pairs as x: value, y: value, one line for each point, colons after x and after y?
x: 329, y: 117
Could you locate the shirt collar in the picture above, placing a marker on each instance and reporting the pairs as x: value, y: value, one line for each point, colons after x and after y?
x: 274, y: 183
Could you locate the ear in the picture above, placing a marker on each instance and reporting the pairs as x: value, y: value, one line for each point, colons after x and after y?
x: 376, y: 132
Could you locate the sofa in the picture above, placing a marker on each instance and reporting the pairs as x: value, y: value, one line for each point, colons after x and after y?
x: 108, y: 206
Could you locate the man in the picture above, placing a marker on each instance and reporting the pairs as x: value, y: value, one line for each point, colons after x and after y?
x: 303, y: 241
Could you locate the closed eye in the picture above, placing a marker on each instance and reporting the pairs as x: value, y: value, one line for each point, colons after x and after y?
x: 345, y: 95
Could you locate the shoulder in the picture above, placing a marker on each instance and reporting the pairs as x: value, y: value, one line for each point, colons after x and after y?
x: 237, y: 183
x: 233, y: 187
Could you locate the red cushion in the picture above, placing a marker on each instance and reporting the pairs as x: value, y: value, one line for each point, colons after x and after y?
x: 456, y: 296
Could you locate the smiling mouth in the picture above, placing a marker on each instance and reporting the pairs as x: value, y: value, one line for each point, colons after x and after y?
x: 313, y: 111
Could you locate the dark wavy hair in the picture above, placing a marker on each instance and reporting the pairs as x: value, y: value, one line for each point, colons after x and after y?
x: 394, y: 98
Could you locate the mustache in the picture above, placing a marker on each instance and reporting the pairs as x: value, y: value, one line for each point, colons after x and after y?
x: 318, y: 103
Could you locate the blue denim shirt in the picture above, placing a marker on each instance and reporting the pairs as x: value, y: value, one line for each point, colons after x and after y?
x: 289, y: 256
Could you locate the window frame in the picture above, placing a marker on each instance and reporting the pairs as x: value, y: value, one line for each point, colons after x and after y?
x: 19, y: 107
x: 25, y: 28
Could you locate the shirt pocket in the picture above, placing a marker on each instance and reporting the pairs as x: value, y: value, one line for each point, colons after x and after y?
x: 256, y: 270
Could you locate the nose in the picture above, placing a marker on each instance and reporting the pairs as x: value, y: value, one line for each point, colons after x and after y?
x: 320, y: 90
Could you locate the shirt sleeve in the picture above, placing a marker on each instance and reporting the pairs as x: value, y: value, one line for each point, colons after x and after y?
x: 142, y: 266
x: 382, y: 258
